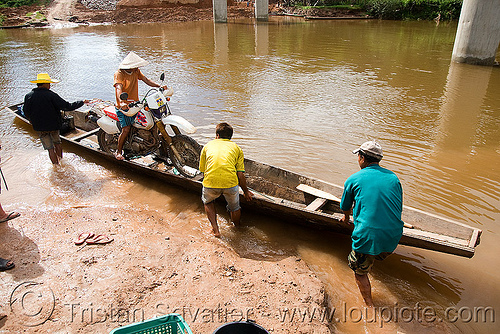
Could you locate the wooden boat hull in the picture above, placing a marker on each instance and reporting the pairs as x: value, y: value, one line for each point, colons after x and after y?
x: 291, y: 196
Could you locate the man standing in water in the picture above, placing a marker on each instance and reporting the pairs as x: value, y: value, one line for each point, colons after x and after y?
x: 221, y: 162
x: 377, y: 197
x: 126, y: 80
x: 43, y: 109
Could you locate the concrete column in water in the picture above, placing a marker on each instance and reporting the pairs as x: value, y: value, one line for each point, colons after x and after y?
x: 478, y: 32
x: 261, y: 10
x: 220, y: 11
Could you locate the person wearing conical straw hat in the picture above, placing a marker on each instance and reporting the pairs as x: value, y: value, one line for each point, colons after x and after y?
x: 43, y: 109
x: 126, y: 80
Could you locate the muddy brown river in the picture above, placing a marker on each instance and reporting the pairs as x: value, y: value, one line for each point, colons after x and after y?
x: 300, y: 95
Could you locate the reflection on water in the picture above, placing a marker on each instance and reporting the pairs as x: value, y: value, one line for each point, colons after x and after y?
x: 300, y: 95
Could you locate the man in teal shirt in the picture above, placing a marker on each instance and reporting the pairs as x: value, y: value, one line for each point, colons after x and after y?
x: 375, y: 196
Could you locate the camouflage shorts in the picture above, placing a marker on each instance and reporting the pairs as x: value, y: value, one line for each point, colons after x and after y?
x: 362, y: 263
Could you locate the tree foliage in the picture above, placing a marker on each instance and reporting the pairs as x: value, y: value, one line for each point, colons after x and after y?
x: 414, y: 9
x: 19, y: 3
x: 395, y: 9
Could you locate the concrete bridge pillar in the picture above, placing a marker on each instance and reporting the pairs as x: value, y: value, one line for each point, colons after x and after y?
x: 262, y: 10
x: 478, y: 32
x: 220, y: 11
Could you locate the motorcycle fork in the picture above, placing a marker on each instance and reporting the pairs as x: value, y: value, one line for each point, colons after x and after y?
x: 168, y: 139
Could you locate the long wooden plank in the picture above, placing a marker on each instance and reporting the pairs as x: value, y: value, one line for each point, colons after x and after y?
x: 435, y: 236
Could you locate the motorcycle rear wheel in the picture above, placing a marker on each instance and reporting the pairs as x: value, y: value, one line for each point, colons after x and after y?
x: 189, y: 151
x: 107, y: 143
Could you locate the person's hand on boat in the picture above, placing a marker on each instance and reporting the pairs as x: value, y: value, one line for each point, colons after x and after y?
x: 248, y: 195
x: 346, y: 218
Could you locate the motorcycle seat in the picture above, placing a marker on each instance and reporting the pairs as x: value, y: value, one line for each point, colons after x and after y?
x: 110, y: 111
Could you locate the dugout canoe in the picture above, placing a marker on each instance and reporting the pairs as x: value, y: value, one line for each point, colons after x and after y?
x: 288, y: 195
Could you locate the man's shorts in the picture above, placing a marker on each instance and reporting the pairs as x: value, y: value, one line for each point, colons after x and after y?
x: 232, y: 196
x: 49, y: 139
x: 362, y: 263
x: 124, y: 119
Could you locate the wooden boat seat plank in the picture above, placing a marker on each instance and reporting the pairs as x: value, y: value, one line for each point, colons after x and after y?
x: 317, y: 204
x: 318, y: 193
x: 85, y: 135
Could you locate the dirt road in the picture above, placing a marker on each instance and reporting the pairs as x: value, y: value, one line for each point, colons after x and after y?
x: 60, y: 10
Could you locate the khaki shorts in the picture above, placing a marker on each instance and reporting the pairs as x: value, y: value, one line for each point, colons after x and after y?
x: 232, y: 196
x: 362, y: 263
x: 49, y: 139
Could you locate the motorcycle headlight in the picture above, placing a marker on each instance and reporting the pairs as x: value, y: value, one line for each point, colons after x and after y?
x: 168, y: 92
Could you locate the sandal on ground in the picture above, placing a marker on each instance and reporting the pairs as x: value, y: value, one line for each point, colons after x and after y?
x: 99, y: 239
x: 119, y: 156
x: 6, y: 264
x: 82, y: 237
x: 10, y: 216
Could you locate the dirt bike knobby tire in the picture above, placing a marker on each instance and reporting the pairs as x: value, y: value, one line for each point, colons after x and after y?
x: 107, y: 142
x: 189, y: 150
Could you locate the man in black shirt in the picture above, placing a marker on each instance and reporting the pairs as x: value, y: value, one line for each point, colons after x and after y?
x: 43, y: 109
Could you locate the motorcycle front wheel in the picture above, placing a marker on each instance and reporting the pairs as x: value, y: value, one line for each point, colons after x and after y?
x: 189, y: 153
x: 107, y: 143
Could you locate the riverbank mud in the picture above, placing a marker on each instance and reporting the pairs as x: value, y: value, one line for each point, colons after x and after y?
x: 152, y: 267
x: 93, y: 12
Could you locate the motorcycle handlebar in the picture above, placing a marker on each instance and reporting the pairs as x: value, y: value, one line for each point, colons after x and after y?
x: 134, y: 104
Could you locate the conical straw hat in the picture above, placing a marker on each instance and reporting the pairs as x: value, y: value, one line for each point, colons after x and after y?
x: 132, y: 61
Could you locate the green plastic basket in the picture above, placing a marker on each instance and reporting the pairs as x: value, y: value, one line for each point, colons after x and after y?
x: 168, y: 324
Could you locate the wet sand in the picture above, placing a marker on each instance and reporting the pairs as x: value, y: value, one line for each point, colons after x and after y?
x: 153, y: 267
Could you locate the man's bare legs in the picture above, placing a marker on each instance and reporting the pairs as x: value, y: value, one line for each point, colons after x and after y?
x: 212, y: 217
x: 235, y: 217
x: 56, y: 154
x: 54, y: 158
x: 365, y: 288
x: 121, y: 140
x: 59, y: 150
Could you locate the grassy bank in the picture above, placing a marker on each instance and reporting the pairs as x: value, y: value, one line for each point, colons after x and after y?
x: 392, y: 9
x: 19, y: 3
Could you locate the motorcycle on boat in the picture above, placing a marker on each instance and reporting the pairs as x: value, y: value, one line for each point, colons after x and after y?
x: 148, y: 135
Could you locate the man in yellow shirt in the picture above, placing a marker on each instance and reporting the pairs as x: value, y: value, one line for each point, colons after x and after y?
x: 221, y: 162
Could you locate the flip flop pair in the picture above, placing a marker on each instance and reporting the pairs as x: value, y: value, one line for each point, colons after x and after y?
x: 10, y: 216
x: 99, y: 239
x: 92, y: 239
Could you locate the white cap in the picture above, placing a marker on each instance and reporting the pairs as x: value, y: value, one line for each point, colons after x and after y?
x: 370, y: 148
x: 132, y: 61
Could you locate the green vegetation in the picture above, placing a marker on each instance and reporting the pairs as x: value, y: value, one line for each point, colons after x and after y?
x: 36, y: 16
x: 345, y: 7
x: 2, y: 19
x: 391, y: 9
x: 19, y: 3
x: 414, y: 9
